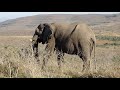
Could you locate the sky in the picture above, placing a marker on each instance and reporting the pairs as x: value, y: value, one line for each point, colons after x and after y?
x: 12, y: 15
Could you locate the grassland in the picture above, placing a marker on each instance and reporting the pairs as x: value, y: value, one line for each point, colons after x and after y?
x: 16, y: 60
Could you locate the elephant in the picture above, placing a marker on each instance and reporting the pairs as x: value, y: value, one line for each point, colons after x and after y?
x: 70, y: 38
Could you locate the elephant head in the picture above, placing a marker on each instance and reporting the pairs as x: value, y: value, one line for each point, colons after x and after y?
x: 42, y: 34
x: 37, y: 38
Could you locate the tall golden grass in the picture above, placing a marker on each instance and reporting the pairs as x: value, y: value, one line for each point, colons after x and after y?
x: 16, y: 61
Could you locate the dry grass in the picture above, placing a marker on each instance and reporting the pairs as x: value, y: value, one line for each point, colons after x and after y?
x: 16, y: 61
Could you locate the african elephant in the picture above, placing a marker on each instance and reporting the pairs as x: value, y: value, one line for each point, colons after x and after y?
x: 75, y: 39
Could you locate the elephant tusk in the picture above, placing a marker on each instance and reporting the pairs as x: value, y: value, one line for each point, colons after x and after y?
x: 31, y: 40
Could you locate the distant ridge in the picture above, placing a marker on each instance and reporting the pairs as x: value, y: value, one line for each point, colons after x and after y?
x: 31, y: 22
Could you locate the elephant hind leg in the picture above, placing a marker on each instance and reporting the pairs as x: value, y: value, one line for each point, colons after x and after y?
x: 60, y: 59
x: 86, y: 64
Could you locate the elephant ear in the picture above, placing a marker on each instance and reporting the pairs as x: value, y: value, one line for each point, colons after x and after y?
x: 47, y: 32
x: 47, y: 29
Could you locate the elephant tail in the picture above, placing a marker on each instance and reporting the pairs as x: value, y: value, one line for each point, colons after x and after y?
x: 94, y: 43
x: 94, y: 50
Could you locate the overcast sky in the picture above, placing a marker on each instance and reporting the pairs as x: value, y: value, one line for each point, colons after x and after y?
x: 11, y: 15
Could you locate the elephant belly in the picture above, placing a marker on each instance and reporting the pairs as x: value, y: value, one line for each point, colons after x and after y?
x: 69, y: 48
x: 66, y: 46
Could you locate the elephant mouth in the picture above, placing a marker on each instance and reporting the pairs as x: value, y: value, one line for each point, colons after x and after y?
x: 44, y: 42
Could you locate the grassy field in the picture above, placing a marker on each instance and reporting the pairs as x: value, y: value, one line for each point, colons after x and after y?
x: 16, y: 60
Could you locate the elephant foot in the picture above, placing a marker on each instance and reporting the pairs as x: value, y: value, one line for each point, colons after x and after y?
x: 86, y: 70
x: 43, y: 67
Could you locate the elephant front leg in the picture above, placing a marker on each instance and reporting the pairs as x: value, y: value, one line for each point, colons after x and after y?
x: 48, y: 51
x: 46, y: 56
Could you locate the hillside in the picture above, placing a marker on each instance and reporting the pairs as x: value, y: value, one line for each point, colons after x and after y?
x: 27, y: 25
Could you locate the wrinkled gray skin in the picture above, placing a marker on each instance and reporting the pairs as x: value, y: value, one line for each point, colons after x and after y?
x: 75, y: 39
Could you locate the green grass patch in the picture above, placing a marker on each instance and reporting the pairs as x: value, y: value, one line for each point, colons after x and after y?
x: 110, y: 38
x: 116, y: 59
x: 106, y: 45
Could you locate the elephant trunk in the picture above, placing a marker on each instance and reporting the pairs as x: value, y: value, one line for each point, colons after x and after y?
x: 35, y: 50
x: 35, y: 45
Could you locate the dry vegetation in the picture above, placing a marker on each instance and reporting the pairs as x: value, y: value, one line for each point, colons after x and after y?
x: 16, y: 60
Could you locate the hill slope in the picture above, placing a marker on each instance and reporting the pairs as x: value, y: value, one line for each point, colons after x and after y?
x: 27, y: 25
